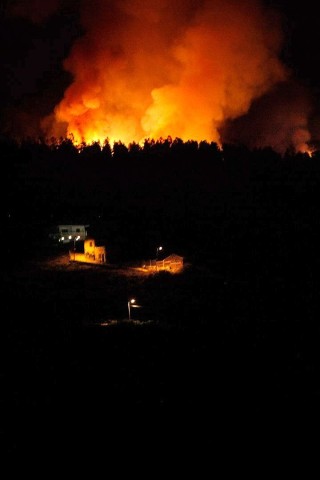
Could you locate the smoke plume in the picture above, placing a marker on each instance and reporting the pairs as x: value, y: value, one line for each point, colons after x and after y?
x: 145, y: 69
x: 157, y: 68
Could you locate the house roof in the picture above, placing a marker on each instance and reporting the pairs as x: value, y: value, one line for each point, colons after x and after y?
x: 173, y: 256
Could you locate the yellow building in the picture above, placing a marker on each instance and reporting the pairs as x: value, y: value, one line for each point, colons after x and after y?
x: 92, y: 253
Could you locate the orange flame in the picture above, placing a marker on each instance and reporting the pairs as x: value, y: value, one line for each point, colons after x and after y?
x: 151, y: 69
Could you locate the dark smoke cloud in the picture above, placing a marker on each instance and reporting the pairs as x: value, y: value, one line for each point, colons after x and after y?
x: 279, y: 119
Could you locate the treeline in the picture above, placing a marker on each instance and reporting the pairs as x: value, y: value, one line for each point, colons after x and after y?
x: 216, y: 206
x: 165, y: 164
x: 25, y: 151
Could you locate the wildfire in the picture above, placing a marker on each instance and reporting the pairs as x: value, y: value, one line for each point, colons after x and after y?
x: 199, y: 70
x: 309, y: 150
x: 153, y: 69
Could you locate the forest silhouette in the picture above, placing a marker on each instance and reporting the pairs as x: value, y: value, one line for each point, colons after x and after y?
x: 237, y: 329
x: 197, y: 197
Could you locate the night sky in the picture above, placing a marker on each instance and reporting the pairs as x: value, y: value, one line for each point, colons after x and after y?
x: 279, y: 109
x: 237, y: 332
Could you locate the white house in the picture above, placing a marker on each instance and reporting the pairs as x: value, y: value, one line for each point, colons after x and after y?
x: 67, y: 233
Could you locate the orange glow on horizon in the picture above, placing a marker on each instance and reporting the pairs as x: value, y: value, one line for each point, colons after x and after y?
x: 150, y: 70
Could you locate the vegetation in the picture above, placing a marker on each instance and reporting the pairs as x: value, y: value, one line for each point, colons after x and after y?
x: 238, y: 327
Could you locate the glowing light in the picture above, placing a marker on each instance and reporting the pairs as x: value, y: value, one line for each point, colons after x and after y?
x: 131, y: 302
x: 143, y: 70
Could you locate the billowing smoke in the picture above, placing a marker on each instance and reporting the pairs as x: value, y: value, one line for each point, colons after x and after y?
x: 157, y: 68
x: 194, y: 69
x: 279, y: 119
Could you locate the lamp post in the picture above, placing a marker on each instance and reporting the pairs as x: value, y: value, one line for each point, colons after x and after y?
x: 74, y: 245
x: 130, y: 302
x: 157, y: 255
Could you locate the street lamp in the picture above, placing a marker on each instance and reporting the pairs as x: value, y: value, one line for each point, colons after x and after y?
x: 157, y: 255
x: 74, y: 245
x: 130, y: 303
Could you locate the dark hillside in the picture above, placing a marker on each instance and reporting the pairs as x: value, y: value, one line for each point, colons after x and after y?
x: 237, y: 329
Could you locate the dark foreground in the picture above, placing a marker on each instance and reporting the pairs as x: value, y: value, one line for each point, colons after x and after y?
x: 200, y: 344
